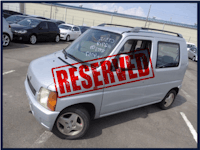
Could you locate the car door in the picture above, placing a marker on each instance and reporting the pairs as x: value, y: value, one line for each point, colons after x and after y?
x: 43, y: 31
x: 77, y: 32
x: 167, y: 66
x: 73, y: 33
x: 52, y: 30
x: 126, y: 96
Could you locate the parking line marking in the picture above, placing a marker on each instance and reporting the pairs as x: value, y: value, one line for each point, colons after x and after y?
x: 192, y: 130
x: 43, y: 137
x: 186, y: 94
x: 8, y: 72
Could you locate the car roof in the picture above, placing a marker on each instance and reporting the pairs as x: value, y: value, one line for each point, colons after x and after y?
x: 127, y: 30
x: 190, y: 43
x: 54, y: 20
x: 71, y: 25
x: 41, y: 19
x: 20, y: 15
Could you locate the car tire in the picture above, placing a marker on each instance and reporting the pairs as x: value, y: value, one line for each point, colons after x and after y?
x: 72, y: 123
x: 68, y: 38
x: 57, y: 39
x: 33, y: 39
x: 6, y: 40
x: 193, y: 58
x: 168, y: 100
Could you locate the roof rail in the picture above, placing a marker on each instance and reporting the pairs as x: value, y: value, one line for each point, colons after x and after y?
x: 137, y: 29
x: 104, y: 24
x: 178, y: 34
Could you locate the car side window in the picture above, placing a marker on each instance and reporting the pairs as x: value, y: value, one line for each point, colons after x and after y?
x: 43, y: 25
x: 138, y: 50
x: 76, y: 29
x: 168, y: 55
x: 52, y: 25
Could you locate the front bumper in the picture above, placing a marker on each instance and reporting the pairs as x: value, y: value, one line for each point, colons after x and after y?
x: 44, y: 116
x: 63, y: 36
x: 21, y: 37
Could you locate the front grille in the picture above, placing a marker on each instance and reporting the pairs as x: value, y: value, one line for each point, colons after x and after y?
x: 31, y: 87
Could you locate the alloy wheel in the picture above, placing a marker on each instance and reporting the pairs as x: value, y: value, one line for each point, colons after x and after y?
x: 6, y: 40
x: 70, y: 124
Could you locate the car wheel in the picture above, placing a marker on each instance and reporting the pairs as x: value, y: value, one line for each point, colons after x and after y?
x: 33, y: 39
x: 67, y: 38
x: 193, y: 58
x: 6, y: 40
x: 57, y: 39
x: 72, y: 123
x: 168, y: 100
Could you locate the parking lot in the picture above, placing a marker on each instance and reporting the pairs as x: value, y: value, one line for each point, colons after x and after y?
x: 146, y: 127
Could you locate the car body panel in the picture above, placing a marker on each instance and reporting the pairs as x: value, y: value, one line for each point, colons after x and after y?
x: 6, y: 29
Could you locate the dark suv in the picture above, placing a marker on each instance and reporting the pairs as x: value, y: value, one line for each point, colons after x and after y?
x: 33, y: 30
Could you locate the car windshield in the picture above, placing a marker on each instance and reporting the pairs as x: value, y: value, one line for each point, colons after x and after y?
x: 65, y: 27
x: 94, y: 44
x: 29, y: 22
x: 15, y: 18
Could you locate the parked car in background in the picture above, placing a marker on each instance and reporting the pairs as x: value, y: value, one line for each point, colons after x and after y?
x: 6, y: 15
x: 33, y: 30
x: 83, y: 28
x: 190, y: 45
x: 69, y: 32
x: 10, y: 12
x: 193, y: 53
x: 16, y: 18
x: 58, y: 22
x: 39, y: 17
x: 7, y: 34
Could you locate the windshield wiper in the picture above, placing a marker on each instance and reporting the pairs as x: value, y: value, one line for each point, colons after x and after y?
x: 78, y: 60
x: 66, y: 62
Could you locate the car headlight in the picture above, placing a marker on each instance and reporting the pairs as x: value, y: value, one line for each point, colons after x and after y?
x: 21, y: 31
x: 47, y: 98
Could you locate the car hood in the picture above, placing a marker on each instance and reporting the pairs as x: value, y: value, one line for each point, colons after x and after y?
x: 19, y: 27
x: 64, y: 30
x: 40, y: 70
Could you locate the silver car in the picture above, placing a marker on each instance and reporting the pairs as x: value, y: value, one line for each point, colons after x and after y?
x: 193, y: 54
x: 7, y: 34
x: 107, y: 70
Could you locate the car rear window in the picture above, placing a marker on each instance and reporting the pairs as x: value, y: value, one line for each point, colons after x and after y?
x: 168, y: 55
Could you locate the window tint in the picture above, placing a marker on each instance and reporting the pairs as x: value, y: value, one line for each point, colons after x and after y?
x: 43, y: 25
x: 52, y: 25
x: 76, y: 29
x: 168, y: 55
x: 135, y: 49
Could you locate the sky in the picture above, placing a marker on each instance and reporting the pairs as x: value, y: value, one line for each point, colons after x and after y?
x: 177, y: 12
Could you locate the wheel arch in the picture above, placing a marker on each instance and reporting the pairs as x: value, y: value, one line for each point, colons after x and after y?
x: 7, y: 34
x: 88, y: 106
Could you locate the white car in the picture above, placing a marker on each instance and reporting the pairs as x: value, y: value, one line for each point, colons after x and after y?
x: 190, y: 45
x: 193, y: 54
x: 69, y: 32
x: 7, y: 34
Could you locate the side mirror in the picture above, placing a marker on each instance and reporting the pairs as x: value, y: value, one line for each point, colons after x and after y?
x: 40, y: 28
x: 72, y: 29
